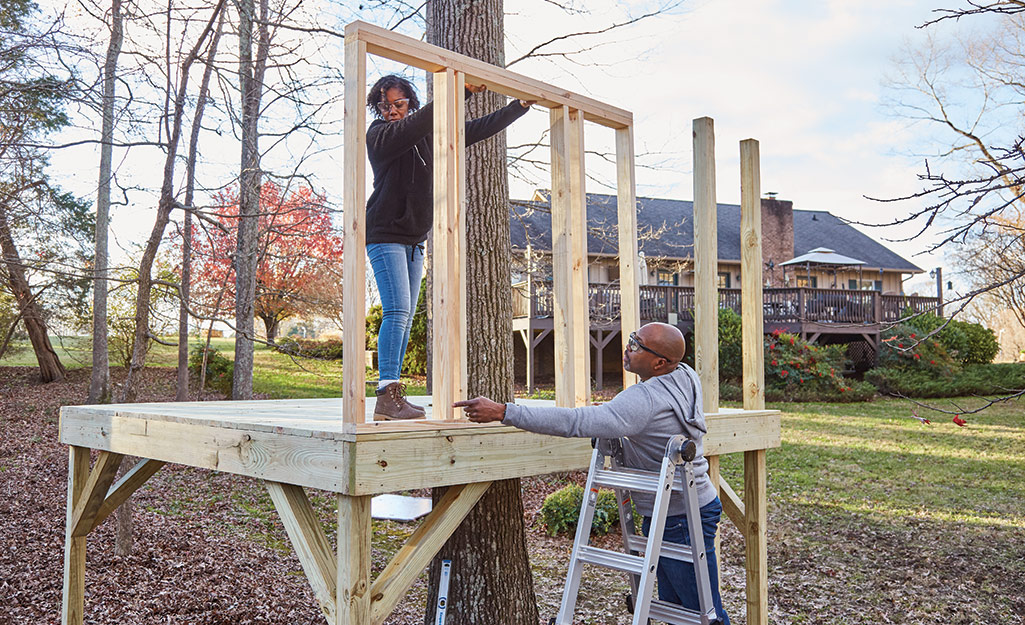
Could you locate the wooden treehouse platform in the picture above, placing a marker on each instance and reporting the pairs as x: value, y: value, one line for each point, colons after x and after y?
x: 328, y: 444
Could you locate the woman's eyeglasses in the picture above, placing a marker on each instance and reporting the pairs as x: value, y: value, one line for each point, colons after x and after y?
x: 634, y: 344
x: 400, y: 104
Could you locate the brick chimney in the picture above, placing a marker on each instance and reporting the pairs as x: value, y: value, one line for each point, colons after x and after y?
x: 777, y: 237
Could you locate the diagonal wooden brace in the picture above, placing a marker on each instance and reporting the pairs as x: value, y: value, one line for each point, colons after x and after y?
x: 393, y: 582
x: 309, y: 541
x: 128, y: 484
x: 733, y: 506
x: 94, y: 492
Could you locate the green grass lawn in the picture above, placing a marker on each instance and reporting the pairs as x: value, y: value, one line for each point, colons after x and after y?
x: 275, y: 374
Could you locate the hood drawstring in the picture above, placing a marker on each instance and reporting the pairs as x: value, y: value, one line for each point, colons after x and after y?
x: 414, y: 248
x: 412, y: 174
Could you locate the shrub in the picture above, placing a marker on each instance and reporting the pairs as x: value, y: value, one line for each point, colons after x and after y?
x: 374, y: 317
x: 968, y: 343
x: 219, y: 370
x: 796, y: 370
x: 731, y: 360
x: 908, y: 348
x: 988, y: 379
x: 415, y: 362
x: 311, y: 348
x: 561, y: 510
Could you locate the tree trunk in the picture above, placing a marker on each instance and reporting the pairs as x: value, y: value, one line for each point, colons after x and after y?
x: 491, y: 578
x: 270, y: 325
x: 50, y: 367
x: 251, y: 85
x: 99, y: 381
x: 182, y: 393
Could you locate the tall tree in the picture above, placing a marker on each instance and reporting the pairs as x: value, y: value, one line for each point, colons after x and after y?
x: 99, y: 380
x: 491, y: 578
x: 32, y: 101
x: 251, y: 71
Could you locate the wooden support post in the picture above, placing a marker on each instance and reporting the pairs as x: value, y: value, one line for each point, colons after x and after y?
x: 626, y: 204
x: 100, y: 479
x: 755, y: 547
x: 751, y: 276
x: 74, y: 546
x: 394, y: 581
x: 354, y: 196
x: 449, y: 302
x: 706, y: 262
x: 353, y: 586
x: 310, y: 543
x: 569, y: 260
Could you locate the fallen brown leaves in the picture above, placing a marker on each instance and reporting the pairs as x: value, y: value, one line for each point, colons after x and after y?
x: 210, y: 550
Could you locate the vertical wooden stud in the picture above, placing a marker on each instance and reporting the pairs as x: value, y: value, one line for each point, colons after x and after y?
x: 354, y: 258
x: 706, y: 262
x: 449, y: 302
x: 353, y: 607
x: 751, y: 275
x: 626, y: 203
x: 73, y: 602
x: 755, y: 545
x: 569, y: 261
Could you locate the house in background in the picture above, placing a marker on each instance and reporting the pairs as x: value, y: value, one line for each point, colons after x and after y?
x: 824, y: 280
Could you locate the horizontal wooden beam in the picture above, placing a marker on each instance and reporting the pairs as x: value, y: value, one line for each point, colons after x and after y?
x: 391, y: 45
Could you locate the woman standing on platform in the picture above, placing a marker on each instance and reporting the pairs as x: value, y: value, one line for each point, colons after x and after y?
x: 399, y: 216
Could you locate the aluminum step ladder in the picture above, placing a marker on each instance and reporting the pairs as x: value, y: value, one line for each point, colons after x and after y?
x: 641, y: 554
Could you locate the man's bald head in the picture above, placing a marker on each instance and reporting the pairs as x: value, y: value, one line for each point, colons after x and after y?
x: 664, y: 339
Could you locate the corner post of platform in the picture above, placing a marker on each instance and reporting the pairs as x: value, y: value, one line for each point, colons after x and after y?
x: 449, y: 244
x: 354, y: 534
x: 626, y: 204
x: 73, y: 602
x: 569, y: 259
x: 755, y: 540
x: 354, y: 374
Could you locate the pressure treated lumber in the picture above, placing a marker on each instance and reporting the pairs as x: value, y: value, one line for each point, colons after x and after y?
x: 629, y: 284
x: 123, y: 489
x: 353, y: 577
x: 395, y: 580
x: 309, y: 541
x: 391, y: 45
x: 73, y: 597
x: 449, y: 302
x: 354, y: 198
x: 95, y: 489
x: 706, y: 254
x: 752, y: 337
x: 755, y: 538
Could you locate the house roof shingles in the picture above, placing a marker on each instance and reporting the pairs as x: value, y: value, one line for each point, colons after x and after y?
x: 673, y: 222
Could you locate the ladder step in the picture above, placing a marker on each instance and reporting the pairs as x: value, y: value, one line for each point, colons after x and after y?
x: 674, y: 551
x: 612, y: 560
x: 633, y: 479
x: 675, y: 614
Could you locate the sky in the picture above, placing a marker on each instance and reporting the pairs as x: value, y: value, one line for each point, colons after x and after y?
x: 806, y: 79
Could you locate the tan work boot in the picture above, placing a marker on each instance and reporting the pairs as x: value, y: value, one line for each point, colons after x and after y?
x: 392, y: 405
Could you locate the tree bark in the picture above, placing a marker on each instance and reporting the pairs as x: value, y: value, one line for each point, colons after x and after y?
x: 491, y: 579
x: 251, y: 85
x: 50, y: 367
x: 99, y: 381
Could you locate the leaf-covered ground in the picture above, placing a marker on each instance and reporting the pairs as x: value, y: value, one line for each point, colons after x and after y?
x: 873, y: 518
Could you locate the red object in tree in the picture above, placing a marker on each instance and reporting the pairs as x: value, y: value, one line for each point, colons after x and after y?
x: 783, y: 373
x: 959, y: 421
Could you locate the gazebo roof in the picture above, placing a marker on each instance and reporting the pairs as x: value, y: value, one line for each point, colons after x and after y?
x: 823, y: 256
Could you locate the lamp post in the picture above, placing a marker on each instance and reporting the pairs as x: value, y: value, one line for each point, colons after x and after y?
x: 938, y: 274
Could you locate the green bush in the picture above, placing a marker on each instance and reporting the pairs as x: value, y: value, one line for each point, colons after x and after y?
x: 731, y: 359
x: 220, y: 371
x: 415, y: 362
x: 374, y: 317
x: 907, y: 348
x: 796, y: 370
x: 561, y: 510
x: 988, y: 379
x: 968, y: 343
x: 330, y: 349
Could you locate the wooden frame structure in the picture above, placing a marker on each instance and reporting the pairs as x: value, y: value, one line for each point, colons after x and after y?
x: 330, y: 445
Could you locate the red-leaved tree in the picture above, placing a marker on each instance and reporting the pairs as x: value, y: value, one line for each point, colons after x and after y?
x: 298, y: 252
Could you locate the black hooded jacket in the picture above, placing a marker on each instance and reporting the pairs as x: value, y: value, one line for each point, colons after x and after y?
x: 401, y: 208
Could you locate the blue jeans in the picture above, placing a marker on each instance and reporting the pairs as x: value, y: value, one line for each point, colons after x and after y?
x: 676, y: 580
x: 398, y: 269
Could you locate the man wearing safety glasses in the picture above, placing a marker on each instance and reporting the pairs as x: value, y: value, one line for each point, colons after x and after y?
x: 667, y: 402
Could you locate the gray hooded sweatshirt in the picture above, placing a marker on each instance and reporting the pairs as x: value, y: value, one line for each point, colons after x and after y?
x: 644, y: 415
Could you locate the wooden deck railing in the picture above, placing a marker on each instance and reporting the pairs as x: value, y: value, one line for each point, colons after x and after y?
x: 781, y: 305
